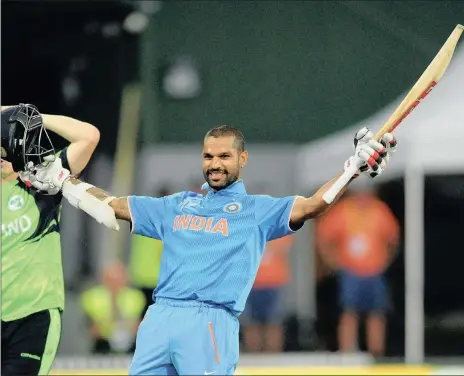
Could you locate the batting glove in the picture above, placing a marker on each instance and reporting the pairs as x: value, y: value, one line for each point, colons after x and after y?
x: 371, y: 157
x: 48, y: 177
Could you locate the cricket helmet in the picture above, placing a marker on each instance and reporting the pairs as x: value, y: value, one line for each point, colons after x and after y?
x: 25, y: 141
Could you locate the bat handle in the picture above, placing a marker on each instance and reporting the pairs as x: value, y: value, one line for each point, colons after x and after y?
x: 330, y: 195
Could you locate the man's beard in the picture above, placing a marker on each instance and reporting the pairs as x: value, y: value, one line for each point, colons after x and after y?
x: 223, y: 183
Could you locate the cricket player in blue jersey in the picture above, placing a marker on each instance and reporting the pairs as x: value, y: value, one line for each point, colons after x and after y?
x: 213, y: 245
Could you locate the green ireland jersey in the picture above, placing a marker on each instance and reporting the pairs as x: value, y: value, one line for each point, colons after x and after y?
x: 32, y: 271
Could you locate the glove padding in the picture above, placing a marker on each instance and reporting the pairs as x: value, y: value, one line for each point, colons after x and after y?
x: 371, y: 157
x: 48, y: 177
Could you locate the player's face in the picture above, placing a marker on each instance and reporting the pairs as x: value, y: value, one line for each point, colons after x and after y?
x: 222, y: 162
x: 7, y: 169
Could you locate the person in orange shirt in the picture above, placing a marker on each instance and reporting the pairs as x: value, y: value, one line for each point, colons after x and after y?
x: 358, y: 238
x: 262, y: 319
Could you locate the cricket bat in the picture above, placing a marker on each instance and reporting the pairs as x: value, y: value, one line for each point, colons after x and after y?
x: 419, y: 91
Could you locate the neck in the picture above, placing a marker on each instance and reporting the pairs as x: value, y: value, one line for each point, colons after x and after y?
x: 10, y: 177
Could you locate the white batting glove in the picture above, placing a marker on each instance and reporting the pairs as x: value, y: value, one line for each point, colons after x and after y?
x: 371, y: 157
x: 390, y: 142
x: 48, y: 177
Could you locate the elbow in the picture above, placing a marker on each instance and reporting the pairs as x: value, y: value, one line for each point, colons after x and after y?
x: 92, y: 135
x: 312, y: 214
x: 315, y: 208
x: 89, y: 134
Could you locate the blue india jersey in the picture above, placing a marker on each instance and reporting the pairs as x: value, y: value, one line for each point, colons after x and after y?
x: 213, y: 244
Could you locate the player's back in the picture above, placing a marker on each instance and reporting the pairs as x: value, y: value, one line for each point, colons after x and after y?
x: 212, y: 244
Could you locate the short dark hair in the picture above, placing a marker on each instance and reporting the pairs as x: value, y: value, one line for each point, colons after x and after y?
x: 225, y: 131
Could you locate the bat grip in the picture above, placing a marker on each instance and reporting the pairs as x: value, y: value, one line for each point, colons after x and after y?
x: 380, y: 134
x: 330, y: 195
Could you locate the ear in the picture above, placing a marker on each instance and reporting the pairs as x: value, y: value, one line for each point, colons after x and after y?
x: 243, y: 158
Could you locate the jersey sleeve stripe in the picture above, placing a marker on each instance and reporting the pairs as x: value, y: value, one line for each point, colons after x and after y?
x: 290, y: 215
x: 132, y: 225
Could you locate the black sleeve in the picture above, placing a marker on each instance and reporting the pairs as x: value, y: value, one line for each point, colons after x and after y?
x: 63, y: 154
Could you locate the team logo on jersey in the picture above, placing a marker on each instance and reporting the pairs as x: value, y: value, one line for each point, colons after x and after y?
x: 233, y: 207
x: 15, y: 203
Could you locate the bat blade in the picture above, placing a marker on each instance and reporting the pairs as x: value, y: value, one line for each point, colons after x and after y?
x: 424, y: 84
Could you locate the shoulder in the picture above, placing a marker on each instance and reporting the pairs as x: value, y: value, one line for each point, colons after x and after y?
x: 261, y: 198
x: 270, y: 200
x: 272, y: 207
x: 181, y: 197
x: 186, y: 194
x: 173, y: 198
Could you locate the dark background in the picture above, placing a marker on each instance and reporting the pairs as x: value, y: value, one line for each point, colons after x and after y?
x: 287, y: 71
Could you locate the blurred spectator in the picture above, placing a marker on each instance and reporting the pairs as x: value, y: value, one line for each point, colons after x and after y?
x: 358, y: 238
x: 263, y: 316
x: 145, y: 260
x: 113, y: 310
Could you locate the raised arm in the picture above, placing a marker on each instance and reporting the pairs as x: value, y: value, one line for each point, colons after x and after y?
x: 370, y: 157
x: 145, y: 213
x: 311, y: 207
x: 83, y: 138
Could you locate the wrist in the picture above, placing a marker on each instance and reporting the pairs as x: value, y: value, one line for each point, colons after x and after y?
x: 109, y: 199
x: 73, y: 192
x: 349, y: 164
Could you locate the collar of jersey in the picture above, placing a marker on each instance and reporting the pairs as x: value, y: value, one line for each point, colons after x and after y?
x: 11, y: 183
x: 236, y: 188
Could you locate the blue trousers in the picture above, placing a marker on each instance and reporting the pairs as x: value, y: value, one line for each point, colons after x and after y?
x: 263, y: 307
x: 368, y: 294
x: 186, y: 338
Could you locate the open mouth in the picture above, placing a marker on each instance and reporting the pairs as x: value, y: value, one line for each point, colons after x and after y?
x: 216, y: 176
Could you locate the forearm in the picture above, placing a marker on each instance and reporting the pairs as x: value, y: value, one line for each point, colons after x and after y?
x: 72, y: 130
x: 119, y: 205
x: 316, y: 204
